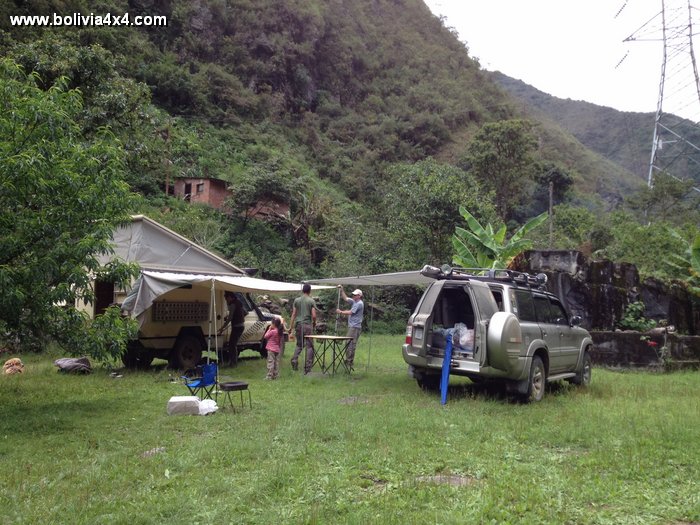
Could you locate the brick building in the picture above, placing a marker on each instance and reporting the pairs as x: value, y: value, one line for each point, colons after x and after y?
x: 213, y: 192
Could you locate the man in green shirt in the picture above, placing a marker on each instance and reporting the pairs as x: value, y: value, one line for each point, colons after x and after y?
x: 303, y: 322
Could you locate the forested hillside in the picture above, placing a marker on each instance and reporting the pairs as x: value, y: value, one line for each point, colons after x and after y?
x: 367, y: 118
x: 622, y: 137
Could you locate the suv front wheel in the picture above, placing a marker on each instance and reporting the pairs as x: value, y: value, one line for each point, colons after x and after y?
x: 583, y: 375
x: 536, y: 381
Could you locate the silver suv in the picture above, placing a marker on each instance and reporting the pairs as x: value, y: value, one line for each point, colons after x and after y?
x: 503, y: 325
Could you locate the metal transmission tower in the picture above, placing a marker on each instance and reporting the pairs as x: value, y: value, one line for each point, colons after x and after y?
x: 675, y: 149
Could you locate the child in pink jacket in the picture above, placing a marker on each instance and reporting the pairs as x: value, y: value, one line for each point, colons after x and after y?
x: 275, y: 342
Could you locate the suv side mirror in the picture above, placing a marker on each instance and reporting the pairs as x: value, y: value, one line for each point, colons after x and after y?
x: 575, y: 320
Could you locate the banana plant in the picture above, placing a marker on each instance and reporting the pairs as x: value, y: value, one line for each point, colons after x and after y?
x: 487, y: 247
x: 688, y: 264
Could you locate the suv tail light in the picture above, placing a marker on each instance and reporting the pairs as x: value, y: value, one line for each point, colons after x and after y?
x: 409, y: 333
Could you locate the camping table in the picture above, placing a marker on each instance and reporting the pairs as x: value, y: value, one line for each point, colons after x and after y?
x: 338, y: 347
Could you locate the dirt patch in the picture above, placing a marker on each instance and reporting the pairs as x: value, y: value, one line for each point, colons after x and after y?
x: 153, y: 452
x: 377, y: 481
x: 353, y: 400
x: 448, y: 479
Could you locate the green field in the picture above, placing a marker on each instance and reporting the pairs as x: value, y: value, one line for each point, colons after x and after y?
x: 371, y: 448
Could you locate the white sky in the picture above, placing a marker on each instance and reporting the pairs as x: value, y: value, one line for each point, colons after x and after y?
x: 574, y: 48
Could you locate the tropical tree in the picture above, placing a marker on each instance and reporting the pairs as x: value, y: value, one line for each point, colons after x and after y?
x: 62, y: 196
x: 546, y: 174
x: 420, y: 204
x: 501, y: 156
x: 621, y: 238
x: 688, y: 264
x: 150, y: 140
x: 668, y: 199
x: 487, y: 246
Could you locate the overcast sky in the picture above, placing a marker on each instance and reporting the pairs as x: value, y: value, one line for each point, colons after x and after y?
x: 572, y: 48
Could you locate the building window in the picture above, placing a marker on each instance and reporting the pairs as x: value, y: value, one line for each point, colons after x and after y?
x: 200, y: 187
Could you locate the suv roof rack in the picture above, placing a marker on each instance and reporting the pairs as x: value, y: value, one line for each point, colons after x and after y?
x: 538, y: 281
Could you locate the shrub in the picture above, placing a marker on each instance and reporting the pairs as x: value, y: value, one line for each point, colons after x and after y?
x: 633, y: 318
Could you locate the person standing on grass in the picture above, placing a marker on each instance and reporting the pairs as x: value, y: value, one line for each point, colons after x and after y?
x: 235, y: 318
x: 303, y: 321
x: 275, y: 342
x: 355, y: 315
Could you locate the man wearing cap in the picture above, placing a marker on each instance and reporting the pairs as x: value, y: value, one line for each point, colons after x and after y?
x: 355, y: 315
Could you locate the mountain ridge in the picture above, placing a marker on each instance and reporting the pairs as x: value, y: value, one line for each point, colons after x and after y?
x: 623, y: 137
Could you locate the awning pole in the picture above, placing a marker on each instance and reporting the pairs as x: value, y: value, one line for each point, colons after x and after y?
x: 211, y: 314
x: 336, y: 314
x: 371, y: 326
x: 216, y: 331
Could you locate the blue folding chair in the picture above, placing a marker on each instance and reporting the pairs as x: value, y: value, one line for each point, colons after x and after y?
x: 205, y: 385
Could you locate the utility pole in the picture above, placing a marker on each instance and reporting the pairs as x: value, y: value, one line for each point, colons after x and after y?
x: 168, y: 163
x: 551, y: 214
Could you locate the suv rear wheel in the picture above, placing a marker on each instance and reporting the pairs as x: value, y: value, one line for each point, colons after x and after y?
x: 429, y: 382
x: 536, y: 381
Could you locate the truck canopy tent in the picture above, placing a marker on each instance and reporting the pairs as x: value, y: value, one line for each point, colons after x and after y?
x: 154, y: 247
x: 168, y: 260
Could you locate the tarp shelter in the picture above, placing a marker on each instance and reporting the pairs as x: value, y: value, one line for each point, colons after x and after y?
x: 152, y: 285
x: 393, y: 279
x: 382, y: 279
x: 168, y: 260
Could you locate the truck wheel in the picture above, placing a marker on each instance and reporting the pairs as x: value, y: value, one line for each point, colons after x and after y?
x: 536, y: 381
x: 583, y: 376
x: 136, y: 356
x: 187, y: 352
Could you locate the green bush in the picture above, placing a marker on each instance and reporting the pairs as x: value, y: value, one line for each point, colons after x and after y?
x: 633, y: 318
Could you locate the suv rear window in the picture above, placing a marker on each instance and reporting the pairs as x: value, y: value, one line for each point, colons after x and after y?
x: 525, y: 307
x: 454, y: 306
x: 544, y: 311
x: 550, y: 310
x: 558, y: 312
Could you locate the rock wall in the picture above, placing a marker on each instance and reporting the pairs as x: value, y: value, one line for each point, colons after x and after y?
x: 599, y: 291
x: 659, y: 351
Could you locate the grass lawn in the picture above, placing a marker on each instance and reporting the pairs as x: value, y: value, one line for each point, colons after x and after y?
x: 370, y: 448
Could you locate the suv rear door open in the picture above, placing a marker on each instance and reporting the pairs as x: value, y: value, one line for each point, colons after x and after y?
x: 446, y: 304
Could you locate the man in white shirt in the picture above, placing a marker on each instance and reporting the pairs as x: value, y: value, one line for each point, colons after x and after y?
x: 355, y: 315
